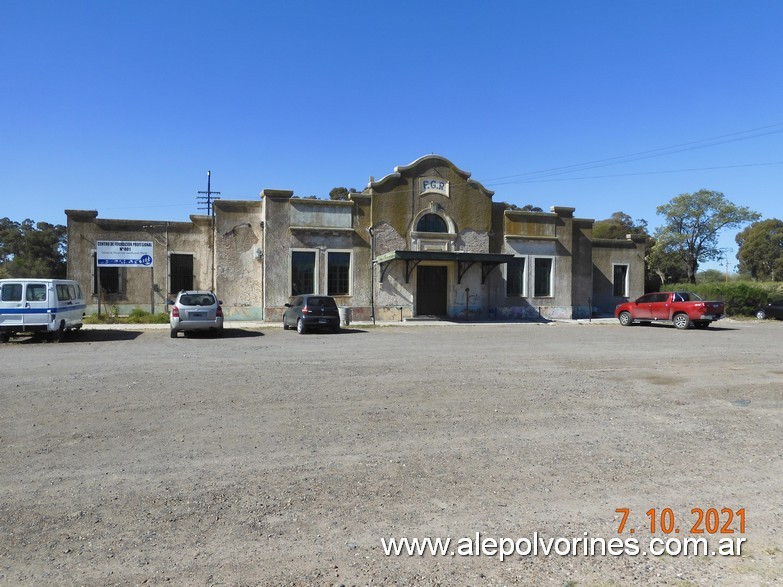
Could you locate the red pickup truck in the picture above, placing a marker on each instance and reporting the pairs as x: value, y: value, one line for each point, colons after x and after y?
x: 680, y: 307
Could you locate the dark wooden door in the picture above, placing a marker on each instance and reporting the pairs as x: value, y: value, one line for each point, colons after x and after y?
x: 431, y: 290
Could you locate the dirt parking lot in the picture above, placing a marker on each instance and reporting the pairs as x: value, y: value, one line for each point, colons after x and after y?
x: 271, y: 458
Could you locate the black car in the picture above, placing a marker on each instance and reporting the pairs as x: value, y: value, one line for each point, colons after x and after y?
x: 773, y: 310
x: 312, y: 312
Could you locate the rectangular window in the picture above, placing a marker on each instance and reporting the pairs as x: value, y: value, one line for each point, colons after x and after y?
x: 620, y: 280
x: 75, y: 291
x: 542, y: 277
x: 110, y: 278
x: 338, y: 273
x: 515, y: 277
x: 63, y: 294
x: 302, y: 272
x: 11, y: 292
x: 36, y: 292
x: 181, y: 272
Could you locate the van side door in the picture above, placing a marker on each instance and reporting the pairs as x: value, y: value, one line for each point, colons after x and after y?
x: 36, y: 305
x: 11, y: 304
x: 65, y: 303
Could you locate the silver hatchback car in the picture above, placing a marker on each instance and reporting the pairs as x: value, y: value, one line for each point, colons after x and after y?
x: 196, y: 310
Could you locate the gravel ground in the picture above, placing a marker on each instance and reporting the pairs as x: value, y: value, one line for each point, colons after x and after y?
x: 270, y: 458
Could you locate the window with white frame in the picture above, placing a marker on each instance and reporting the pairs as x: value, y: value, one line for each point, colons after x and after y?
x: 338, y: 273
x: 515, y: 277
x: 543, y: 277
x: 303, y: 265
x: 620, y: 279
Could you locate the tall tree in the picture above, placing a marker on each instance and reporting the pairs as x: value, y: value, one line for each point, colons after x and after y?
x: 692, y: 225
x: 666, y: 266
x: 761, y: 250
x: 30, y: 249
x: 618, y: 226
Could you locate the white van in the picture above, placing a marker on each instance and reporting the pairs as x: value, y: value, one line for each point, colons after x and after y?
x: 52, y: 306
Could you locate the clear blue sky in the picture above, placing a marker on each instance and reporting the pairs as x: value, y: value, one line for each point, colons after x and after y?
x: 123, y: 106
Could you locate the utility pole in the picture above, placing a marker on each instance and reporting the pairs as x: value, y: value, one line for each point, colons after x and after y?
x: 205, y: 201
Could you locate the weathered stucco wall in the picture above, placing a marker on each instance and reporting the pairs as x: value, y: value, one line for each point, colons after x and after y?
x: 239, y: 258
x: 399, y: 201
x: 244, y: 251
x: 607, y: 253
x: 141, y: 287
x: 566, y: 240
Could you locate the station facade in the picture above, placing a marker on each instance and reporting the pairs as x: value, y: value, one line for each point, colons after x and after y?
x: 425, y: 240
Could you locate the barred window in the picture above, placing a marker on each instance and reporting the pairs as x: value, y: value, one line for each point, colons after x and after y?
x: 338, y: 273
x: 180, y: 272
x: 431, y: 223
x: 302, y: 272
x: 515, y: 277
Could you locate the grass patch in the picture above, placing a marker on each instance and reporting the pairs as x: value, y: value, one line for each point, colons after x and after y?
x: 136, y: 316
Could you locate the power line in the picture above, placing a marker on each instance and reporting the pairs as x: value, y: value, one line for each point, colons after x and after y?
x: 689, y: 146
x: 545, y: 179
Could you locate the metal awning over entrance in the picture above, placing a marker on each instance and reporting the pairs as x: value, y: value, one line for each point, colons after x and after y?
x: 464, y: 261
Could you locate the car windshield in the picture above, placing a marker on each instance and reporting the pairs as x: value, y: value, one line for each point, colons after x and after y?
x: 197, y: 300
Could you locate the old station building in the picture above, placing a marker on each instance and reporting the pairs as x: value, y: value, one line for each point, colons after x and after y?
x: 425, y: 240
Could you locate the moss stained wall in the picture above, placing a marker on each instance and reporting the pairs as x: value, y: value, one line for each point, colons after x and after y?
x: 397, y: 202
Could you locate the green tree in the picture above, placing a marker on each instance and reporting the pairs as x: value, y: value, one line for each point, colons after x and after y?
x: 665, y: 265
x: 618, y: 226
x: 692, y: 225
x: 761, y: 250
x: 710, y: 276
x: 341, y: 193
x: 30, y: 249
x: 525, y: 208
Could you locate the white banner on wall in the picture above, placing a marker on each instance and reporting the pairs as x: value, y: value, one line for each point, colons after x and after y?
x: 123, y: 253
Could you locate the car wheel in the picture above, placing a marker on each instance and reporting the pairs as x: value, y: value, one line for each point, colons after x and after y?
x: 173, y: 333
x: 300, y: 327
x: 761, y: 315
x: 4, y: 337
x: 336, y: 329
x: 681, y: 321
x: 625, y: 319
x: 285, y: 325
x: 219, y: 332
